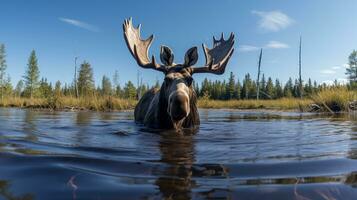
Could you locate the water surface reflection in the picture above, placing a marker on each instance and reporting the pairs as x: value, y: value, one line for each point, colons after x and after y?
x: 234, y: 155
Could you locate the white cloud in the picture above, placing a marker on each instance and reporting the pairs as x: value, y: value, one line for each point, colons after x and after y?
x: 328, y: 71
x: 276, y: 45
x: 79, y: 24
x: 273, y: 20
x: 247, y: 48
x: 270, y: 45
x: 345, y: 65
x: 336, y: 67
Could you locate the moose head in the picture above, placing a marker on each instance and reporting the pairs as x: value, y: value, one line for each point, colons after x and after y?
x: 176, y: 99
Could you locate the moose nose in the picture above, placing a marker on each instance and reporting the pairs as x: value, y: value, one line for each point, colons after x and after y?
x: 179, y: 106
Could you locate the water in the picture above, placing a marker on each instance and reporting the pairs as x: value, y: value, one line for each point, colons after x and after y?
x: 234, y: 155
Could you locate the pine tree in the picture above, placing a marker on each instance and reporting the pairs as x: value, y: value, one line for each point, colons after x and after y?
x: 262, y: 88
x: 238, y: 89
x: 45, y: 89
x: 247, y: 87
x: 204, y: 87
x: 57, y: 91
x: 288, y: 89
x: 269, y: 89
x: 296, y: 88
x: 106, y: 86
x: 19, y: 88
x: 129, y: 90
x: 115, y: 80
x: 7, y: 89
x: 253, y: 90
x: 230, y: 87
x: 32, y: 75
x: 308, y: 87
x: 351, y: 71
x: 3, y: 67
x: 279, y: 93
x: 85, y: 79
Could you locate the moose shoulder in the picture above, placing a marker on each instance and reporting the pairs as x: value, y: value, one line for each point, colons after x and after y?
x: 174, y: 105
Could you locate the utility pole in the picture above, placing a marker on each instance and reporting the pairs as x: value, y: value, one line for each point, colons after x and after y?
x: 75, y: 77
x: 258, y: 79
x: 300, y: 79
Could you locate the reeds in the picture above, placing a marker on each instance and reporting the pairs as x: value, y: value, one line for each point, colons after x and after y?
x: 278, y: 104
x: 60, y: 103
x: 335, y: 99
x: 331, y: 99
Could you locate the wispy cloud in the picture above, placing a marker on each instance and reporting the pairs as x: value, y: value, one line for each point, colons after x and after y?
x: 328, y: 71
x: 273, y: 20
x: 276, y: 45
x: 79, y: 24
x: 270, y: 45
x: 334, y: 69
x: 247, y: 48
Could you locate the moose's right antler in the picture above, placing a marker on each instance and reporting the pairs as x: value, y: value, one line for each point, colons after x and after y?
x: 217, y: 57
x: 140, y: 48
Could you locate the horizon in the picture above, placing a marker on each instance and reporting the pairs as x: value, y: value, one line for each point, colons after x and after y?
x: 60, y: 31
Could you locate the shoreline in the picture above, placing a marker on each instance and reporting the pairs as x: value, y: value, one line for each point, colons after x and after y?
x: 112, y: 104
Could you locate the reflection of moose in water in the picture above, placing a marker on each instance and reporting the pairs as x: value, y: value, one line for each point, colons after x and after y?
x: 177, y: 151
x: 176, y: 179
x: 174, y: 105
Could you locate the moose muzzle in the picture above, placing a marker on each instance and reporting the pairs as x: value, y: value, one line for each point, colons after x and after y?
x: 179, y: 106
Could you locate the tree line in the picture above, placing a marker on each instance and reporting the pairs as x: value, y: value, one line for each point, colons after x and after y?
x: 32, y: 86
x: 247, y: 88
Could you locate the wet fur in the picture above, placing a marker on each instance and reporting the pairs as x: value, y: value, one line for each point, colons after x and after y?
x: 151, y: 110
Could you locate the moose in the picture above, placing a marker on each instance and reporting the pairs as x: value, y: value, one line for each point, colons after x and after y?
x: 174, y: 105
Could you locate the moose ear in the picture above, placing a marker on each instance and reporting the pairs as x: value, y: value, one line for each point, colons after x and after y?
x: 166, y: 56
x: 191, y: 57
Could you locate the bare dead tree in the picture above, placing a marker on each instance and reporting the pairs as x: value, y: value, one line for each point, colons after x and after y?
x: 300, y: 79
x: 75, y: 77
x: 258, y: 79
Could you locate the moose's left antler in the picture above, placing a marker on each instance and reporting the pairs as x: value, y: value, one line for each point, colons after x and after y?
x: 140, y: 48
x: 217, y: 57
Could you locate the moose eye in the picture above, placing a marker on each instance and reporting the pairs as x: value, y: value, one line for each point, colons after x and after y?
x: 189, y: 81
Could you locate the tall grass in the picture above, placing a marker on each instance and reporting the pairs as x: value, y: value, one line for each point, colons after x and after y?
x: 71, y: 103
x: 331, y: 99
x: 279, y: 104
x: 335, y: 99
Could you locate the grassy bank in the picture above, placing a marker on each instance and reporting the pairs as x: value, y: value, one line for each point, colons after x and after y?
x: 331, y: 100
x: 335, y: 99
x: 111, y: 103
x: 71, y: 103
x: 279, y: 104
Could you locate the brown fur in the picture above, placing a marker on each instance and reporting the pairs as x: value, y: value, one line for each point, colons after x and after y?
x: 151, y: 110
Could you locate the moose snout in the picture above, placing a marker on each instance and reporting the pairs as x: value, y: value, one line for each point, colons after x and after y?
x: 178, y: 105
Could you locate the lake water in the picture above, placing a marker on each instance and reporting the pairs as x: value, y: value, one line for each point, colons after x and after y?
x: 234, y: 155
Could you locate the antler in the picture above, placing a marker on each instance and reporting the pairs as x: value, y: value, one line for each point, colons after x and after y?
x: 217, y: 57
x: 140, y: 48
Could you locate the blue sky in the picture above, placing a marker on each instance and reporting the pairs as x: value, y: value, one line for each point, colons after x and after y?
x: 60, y: 30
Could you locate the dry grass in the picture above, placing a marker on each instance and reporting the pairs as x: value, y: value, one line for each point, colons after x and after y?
x: 279, y: 104
x: 59, y: 103
x: 332, y: 99
x: 335, y: 99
